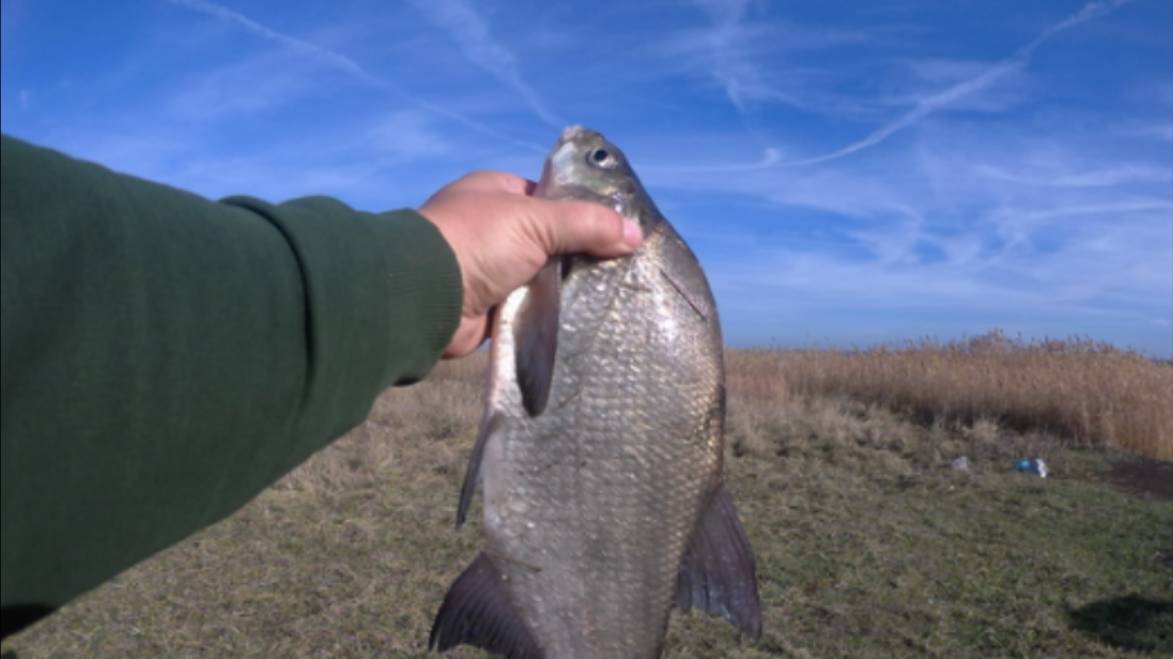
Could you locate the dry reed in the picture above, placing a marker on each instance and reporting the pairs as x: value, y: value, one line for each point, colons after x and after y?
x: 1090, y: 391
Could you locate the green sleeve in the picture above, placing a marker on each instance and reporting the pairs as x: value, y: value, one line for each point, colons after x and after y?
x: 166, y: 357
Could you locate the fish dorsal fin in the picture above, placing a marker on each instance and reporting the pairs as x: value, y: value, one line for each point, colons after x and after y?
x: 717, y: 574
x: 472, y: 473
x: 535, y: 334
x: 477, y: 611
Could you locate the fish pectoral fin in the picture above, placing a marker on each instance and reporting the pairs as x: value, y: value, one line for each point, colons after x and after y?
x: 477, y: 611
x: 535, y: 335
x: 472, y: 473
x: 717, y: 574
x: 687, y: 291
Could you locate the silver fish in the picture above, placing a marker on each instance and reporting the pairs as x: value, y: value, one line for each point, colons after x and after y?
x: 601, y: 448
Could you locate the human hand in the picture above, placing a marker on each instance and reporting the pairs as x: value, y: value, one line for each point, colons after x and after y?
x: 502, y: 236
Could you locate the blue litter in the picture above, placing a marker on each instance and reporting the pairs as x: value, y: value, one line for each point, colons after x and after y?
x: 1032, y: 466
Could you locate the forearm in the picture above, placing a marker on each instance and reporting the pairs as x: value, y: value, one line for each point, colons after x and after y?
x: 166, y: 357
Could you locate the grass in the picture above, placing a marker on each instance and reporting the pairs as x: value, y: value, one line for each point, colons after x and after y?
x: 868, y: 543
x: 1086, y: 391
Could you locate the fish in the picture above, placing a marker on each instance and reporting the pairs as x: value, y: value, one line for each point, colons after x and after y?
x: 600, y: 451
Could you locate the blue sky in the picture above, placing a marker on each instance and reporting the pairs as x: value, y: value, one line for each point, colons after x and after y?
x: 849, y: 173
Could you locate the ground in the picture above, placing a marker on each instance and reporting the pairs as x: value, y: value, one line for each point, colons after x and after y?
x: 868, y: 544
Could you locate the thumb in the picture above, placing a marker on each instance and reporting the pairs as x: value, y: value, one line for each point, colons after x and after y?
x: 584, y: 227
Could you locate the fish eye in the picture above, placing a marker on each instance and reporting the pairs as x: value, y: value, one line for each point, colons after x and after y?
x: 602, y: 158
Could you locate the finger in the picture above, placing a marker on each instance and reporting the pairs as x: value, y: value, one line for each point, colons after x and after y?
x: 584, y: 227
x: 469, y: 335
x: 494, y: 181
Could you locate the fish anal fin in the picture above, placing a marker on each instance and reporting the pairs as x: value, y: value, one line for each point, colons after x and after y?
x: 717, y: 574
x: 477, y: 611
x: 536, y: 337
x: 472, y: 473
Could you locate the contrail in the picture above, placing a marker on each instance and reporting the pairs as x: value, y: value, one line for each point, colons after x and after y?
x: 930, y: 104
x: 334, y: 59
x: 470, y: 31
x: 346, y: 65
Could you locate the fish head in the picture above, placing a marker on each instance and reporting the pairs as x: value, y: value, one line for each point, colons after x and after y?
x: 583, y: 165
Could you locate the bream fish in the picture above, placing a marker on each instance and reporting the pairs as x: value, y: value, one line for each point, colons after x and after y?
x: 601, y: 448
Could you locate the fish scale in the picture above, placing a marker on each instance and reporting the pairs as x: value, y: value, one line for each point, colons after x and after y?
x: 600, y: 455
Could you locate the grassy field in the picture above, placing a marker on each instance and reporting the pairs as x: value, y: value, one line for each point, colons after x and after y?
x: 868, y: 542
x: 1090, y: 392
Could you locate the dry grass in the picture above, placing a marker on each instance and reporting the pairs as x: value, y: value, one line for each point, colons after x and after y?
x: 868, y: 543
x: 1089, y: 392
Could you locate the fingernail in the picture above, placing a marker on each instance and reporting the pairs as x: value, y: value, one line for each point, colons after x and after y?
x: 631, y: 233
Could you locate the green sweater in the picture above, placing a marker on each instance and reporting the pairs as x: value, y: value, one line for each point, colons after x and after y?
x: 166, y: 357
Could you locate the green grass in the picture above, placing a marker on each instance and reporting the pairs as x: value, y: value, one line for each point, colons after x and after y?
x: 868, y: 544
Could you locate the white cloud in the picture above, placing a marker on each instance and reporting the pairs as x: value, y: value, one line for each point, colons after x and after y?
x: 1098, y: 177
x: 148, y: 153
x: 257, y: 84
x: 471, y: 33
x: 348, y: 66
x: 742, y: 56
x: 950, y: 96
x: 1160, y: 130
x: 729, y: 64
x: 934, y: 73
x: 335, y: 59
x: 1024, y: 223
x: 409, y: 135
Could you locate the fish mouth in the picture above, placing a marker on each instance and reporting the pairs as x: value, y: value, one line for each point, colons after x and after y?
x: 563, y: 172
x: 571, y: 132
x: 575, y: 139
x: 557, y: 170
x: 576, y: 133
